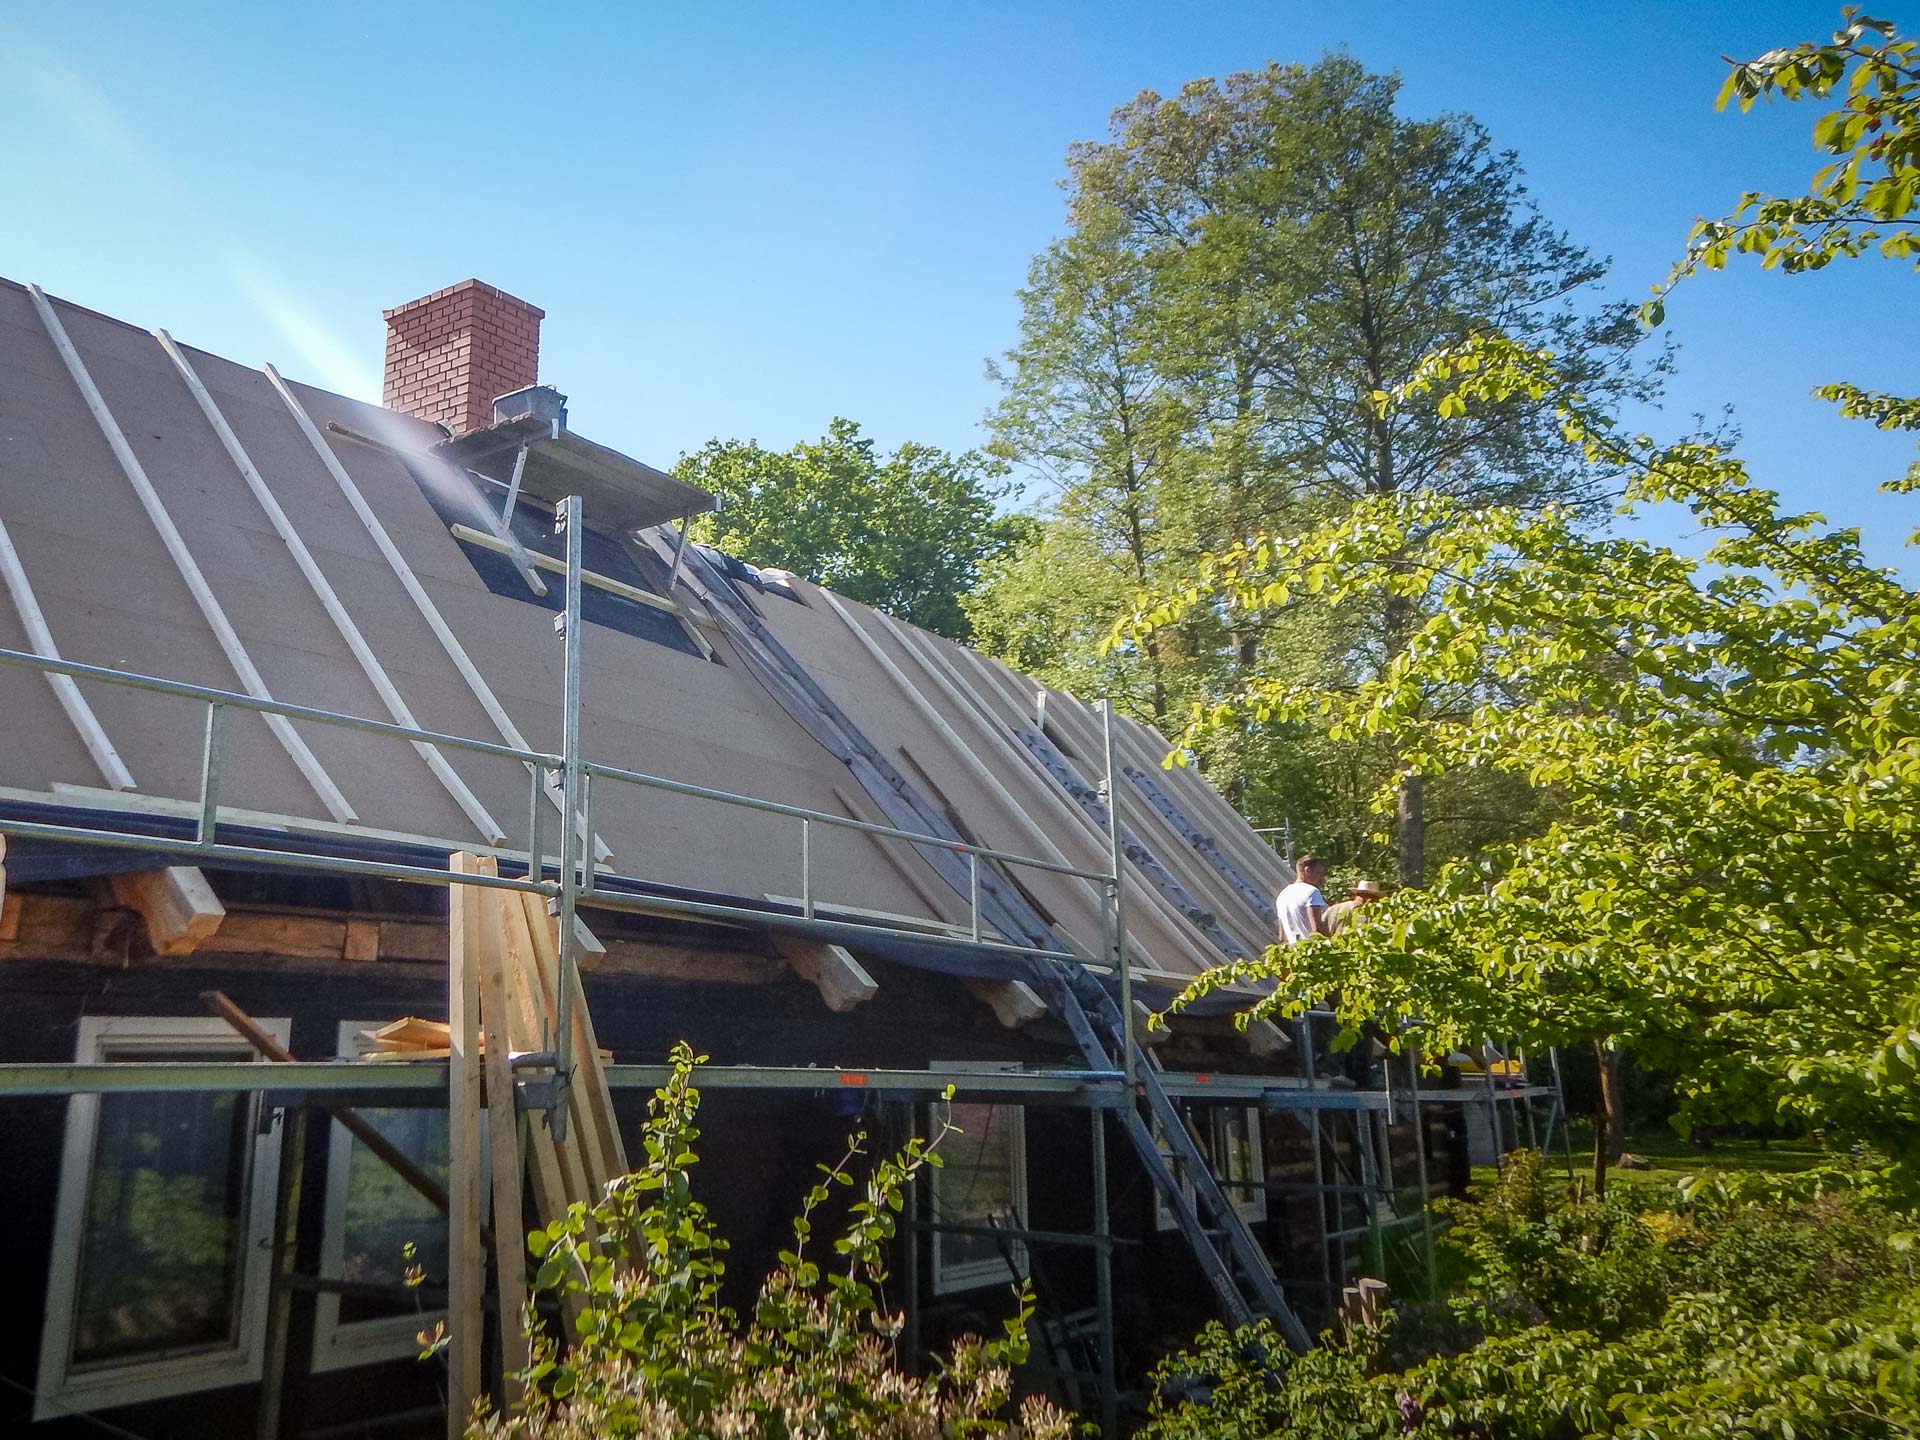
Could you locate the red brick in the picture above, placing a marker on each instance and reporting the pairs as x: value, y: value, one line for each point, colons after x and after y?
x: 451, y: 352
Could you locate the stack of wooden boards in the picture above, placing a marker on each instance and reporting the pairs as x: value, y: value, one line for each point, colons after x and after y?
x: 414, y: 1038
x: 502, y: 988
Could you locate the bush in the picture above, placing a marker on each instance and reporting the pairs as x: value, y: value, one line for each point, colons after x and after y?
x: 1765, y: 1307
x: 1534, y: 1256
x: 1813, y: 1246
x: 655, y: 1354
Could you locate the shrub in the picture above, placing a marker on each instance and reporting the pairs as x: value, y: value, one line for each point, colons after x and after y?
x: 655, y: 1354
x: 1774, y: 1307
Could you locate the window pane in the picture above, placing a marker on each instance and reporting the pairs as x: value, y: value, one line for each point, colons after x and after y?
x: 1237, y: 1148
x: 976, y: 1185
x: 385, y: 1214
x: 160, y: 1251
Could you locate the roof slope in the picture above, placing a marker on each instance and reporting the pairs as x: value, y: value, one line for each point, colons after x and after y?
x: 961, y: 728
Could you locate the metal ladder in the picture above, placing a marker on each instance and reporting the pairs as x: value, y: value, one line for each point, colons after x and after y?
x: 1236, y: 1268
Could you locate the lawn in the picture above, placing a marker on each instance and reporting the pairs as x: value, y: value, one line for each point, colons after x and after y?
x: 1671, y: 1157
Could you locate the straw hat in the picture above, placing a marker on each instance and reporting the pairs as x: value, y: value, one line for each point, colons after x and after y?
x: 1372, y: 889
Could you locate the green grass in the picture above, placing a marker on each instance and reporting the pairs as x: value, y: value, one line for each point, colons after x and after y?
x: 1672, y: 1157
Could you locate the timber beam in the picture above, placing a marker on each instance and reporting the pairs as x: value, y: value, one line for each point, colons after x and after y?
x: 181, y: 911
x: 1014, y: 1002
x: 842, y: 981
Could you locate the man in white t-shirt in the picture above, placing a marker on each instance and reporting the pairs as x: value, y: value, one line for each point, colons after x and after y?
x: 1301, y: 908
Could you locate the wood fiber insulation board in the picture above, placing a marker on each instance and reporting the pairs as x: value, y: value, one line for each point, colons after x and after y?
x: 893, y: 716
x: 1001, y: 771
x: 1175, y: 855
x: 1203, y: 883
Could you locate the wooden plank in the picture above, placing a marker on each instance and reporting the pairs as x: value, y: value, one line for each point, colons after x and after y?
x: 178, y: 904
x: 196, y: 581
x: 588, y: 1099
x: 842, y: 981
x: 105, y: 758
x: 470, y: 913
x: 362, y: 940
x: 573, y: 1181
x: 242, y: 933
x: 329, y: 599
x: 591, y: 1063
x: 551, y: 1171
x: 694, y: 964
x: 1267, y: 1040
x: 51, y: 922
x: 559, y: 567
x: 503, y: 1129
x: 410, y: 940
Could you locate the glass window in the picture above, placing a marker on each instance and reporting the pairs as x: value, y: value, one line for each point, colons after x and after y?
x: 1228, y: 1138
x: 166, y: 1204
x: 477, y: 506
x: 983, y: 1182
x: 163, y: 1222
x: 1237, y: 1161
x: 372, y: 1218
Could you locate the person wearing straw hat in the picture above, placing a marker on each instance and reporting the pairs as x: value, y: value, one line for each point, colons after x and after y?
x: 1365, y: 892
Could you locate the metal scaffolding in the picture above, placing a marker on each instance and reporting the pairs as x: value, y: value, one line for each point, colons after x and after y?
x: 1120, y: 1080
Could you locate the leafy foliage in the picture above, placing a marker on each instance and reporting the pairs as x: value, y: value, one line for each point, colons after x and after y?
x: 1248, y: 260
x: 906, y: 533
x: 1729, y: 884
x: 655, y: 1353
x: 1609, y: 1318
x: 1874, y: 137
x: 1810, y: 1247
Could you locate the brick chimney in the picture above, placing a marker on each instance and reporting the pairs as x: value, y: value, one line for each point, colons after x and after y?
x: 449, y: 354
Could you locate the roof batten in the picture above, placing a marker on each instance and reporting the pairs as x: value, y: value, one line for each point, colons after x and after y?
x: 176, y: 546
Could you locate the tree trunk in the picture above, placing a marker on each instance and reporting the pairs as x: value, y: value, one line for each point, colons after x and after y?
x: 1601, y: 1127
x: 1613, y: 1102
x: 1412, y: 829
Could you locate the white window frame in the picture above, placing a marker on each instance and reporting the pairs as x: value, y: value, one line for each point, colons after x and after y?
x: 340, y: 1345
x: 1249, y: 1205
x: 62, y: 1388
x: 952, y: 1278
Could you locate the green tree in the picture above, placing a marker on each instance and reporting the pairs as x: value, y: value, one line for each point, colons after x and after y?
x: 1247, y: 263
x: 1730, y: 886
x: 906, y: 532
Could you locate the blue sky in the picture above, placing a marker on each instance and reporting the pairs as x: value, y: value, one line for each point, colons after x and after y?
x: 744, y: 220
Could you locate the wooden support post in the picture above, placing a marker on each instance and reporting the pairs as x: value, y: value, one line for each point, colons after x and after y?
x: 177, y: 903
x: 556, y: 1170
x: 471, y: 913
x: 286, y: 1231
x: 592, y: 1135
x: 841, y: 980
x: 1013, y: 1002
x: 510, y: 1259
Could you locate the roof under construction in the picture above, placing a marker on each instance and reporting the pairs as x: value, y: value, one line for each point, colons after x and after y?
x: 175, y: 514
